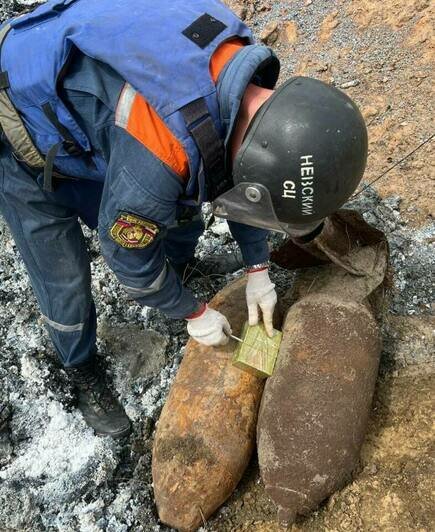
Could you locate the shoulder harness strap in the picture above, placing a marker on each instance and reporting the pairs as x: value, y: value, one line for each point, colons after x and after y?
x: 211, y: 147
x: 21, y: 142
x: 11, y: 122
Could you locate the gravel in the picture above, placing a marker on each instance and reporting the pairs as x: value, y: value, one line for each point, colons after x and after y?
x: 54, y: 473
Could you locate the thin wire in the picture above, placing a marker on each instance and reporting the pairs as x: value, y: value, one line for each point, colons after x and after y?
x: 394, y: 165
x: 185, y: 279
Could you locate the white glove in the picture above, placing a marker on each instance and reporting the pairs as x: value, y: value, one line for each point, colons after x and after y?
x: 260, y: 292
x: 209, y: 328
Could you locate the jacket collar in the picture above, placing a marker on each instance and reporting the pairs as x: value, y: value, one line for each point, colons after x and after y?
x: 253, y: 63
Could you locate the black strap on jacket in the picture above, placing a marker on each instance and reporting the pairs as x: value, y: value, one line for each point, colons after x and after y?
x: 211, y: 147
x: 69, y: 143
x: 4, y: 80
x: 23, y: 148
x: 50, y: 172
x: 11, y: 123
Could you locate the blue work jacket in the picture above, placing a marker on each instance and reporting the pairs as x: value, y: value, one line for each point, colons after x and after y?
x: 136, y: 181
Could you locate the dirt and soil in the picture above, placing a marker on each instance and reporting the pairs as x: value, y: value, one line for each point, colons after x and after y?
x: 392, y: 488
x: 55, y: 475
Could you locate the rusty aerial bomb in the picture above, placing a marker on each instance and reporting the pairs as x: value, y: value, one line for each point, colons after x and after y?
x: 316, y: 405
x: 206, y: 432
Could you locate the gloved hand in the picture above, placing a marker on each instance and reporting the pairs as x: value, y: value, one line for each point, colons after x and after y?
x: 260, y: 292
x: 209, y: 327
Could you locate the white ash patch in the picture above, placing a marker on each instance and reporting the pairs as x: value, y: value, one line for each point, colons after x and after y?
x: 412, y: 254
x: 154, y: 398
x: 57, y: 458
x: 220, y: 227
x: 44, y: 457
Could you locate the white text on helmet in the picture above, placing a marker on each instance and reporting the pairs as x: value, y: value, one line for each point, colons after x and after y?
x: 289, y: 191
x: 307, y: 184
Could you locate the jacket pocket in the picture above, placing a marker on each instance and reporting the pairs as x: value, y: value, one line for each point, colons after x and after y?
x: 128, y: 195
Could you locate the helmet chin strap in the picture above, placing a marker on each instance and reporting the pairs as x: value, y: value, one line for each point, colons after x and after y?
x: 307, y: 237
x: 305, y: 232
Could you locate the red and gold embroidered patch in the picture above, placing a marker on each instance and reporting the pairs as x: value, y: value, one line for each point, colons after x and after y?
x: 131, y: 231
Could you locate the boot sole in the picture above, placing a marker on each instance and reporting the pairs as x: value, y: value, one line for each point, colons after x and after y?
x: 116, y: 435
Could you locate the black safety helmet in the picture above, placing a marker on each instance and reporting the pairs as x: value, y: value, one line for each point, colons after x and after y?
x: 302, y: 157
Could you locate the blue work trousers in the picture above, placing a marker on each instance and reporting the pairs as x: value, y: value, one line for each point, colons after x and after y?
x: 46, y: 230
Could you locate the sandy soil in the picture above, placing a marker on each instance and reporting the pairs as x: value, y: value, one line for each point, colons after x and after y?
x: 382, y: 54
x: 55, y: 475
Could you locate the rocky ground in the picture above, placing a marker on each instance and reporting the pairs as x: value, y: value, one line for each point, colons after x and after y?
x: 56, y: 475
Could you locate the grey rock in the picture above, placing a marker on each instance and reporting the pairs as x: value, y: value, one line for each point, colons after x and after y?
x: 138, y: 353
x: 349, y: 84
x: 410, y: 340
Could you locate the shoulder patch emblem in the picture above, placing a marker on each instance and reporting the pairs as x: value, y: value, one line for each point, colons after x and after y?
x: 133, y: 232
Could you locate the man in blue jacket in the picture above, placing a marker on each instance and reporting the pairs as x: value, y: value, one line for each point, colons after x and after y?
x: 130, y: 130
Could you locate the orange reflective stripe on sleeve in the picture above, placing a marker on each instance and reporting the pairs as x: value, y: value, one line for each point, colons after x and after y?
x: 135, y: 115
x: 147, y: 127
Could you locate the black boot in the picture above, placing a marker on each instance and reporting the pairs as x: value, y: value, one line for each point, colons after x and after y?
x: 101, y: 410
x: 213, y: 266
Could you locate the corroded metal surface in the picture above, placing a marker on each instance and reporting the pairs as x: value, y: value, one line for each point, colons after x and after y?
x: 206, y: 432
x: 315, y: 408
x: 343, y: 233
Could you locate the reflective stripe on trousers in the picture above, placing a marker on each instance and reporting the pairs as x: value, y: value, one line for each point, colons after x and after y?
x: 51, y: 244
